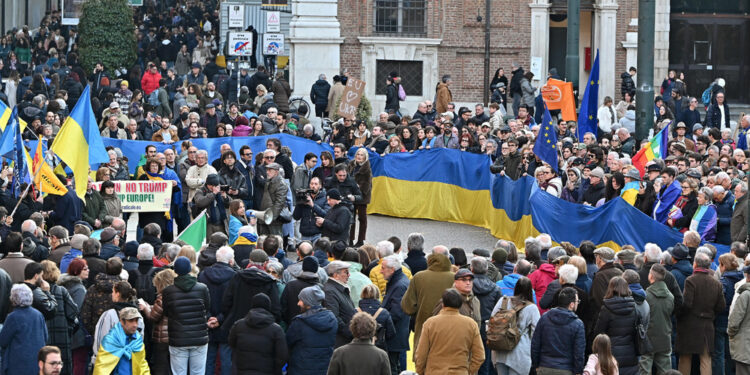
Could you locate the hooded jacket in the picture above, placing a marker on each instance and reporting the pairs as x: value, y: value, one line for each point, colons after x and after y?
x: 617, y: 319
x: 311, y: 338
x: 425, y: 290
x: 216, y: 278
x: 488, y: 293
x: 559, y: 341
x: 541, y: 278
x: 243, y: 286
x: 661, y: 307
x: 186, y: 304
x: 508, y: 285
x: 258, y: 344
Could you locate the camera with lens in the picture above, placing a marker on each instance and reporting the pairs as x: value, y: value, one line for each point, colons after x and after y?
x: 300, y: 195
x: 224, y: 188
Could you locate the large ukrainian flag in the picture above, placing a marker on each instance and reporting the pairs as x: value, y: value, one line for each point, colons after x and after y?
x: 79, y: 143
x: 450, y: 185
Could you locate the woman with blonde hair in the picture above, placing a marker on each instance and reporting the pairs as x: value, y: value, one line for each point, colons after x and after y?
x: 360, y: 171
x: 260, y: 98
x: 160, y: 334
x: 370, y: 303
x: 188, y: 251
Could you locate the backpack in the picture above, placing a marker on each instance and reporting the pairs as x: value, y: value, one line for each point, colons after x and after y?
x: 401, y: 93
x: 153, y: 98
x: 503, y: 332
x: 706, y: 96
x: 380, y: 332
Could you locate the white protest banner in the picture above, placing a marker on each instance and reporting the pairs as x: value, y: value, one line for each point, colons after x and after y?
x: 142, y: 196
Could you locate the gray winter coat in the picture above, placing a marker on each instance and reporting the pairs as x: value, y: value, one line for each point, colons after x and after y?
x: 528, y: 93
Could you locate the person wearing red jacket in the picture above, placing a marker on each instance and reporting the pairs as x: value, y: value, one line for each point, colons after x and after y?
x: 150, y: 80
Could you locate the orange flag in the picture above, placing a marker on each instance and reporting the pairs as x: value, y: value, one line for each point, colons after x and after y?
x: 45, y: 179
x: 559, y: 95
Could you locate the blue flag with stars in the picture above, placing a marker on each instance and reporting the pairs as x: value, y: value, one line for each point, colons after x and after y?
x: 587, y: 114
x: 546, y: 142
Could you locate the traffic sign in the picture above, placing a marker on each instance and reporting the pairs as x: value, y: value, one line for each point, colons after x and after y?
x: 237, y: 16
x: 240, y: 44
x: 273, y: 22
x: 273, y: 44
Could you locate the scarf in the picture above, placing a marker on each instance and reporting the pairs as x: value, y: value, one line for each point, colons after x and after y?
x: 158, y: 177
x: 118, y: 355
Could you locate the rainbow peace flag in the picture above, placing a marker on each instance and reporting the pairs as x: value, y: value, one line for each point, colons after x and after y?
x: 704, y: 222
x: 656, y: 149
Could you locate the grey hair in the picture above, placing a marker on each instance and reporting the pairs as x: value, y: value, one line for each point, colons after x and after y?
x: 21, y: 295
x: 718, y: 189
x: 145, y: 251
x: 415, y: 241
x: 705, y: 250
x: 568, y: 274
x: 269, y: 152
x: 545, y: 241
x: 225, y: 254
x: 440, y: 249
x: 322, y: 76
x: 532, y: 245
x: 702, y: 260
x: 492, y: 142
x: 652, y: 252
x: 479, y: 265
x: 385, y: 248
x: 274, y: 266
x: 202, y: 152
x: 666, y: 258
x: 714, y: 148
x: 708, y: 192
x: 172, y: 251
x: 28, y: 226
x: 392, y: 261
x: 743, y: 186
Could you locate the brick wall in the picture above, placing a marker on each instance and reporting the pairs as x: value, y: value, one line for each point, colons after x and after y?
x: 461, y: 52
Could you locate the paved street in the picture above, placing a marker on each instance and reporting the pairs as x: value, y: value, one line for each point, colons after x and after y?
x: 435, y: 232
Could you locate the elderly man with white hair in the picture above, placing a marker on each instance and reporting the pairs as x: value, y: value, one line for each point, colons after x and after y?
x: 738, y: 226
x: 568, y: 274
x: 724, y: 201
x: 33, y: 246
x: 196, y: 175
x: 652, y: 255
x: 384, y: 249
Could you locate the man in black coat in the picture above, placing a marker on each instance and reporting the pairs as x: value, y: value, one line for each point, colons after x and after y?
x: 258, y: 343
x: 336, y: 224
x: 217, y: 277
x: 290, y: 295
x: 596, y: 188
x: 186, y: 305
x: 246, y: 284
x: 338, y: 299
x: 345, y: 185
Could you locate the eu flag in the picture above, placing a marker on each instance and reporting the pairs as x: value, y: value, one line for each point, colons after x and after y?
x: 11, y: 147
x: 589, y: 104
x: 546, y: 142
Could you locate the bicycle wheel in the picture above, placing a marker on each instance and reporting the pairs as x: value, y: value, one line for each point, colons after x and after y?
x: 296, y: 103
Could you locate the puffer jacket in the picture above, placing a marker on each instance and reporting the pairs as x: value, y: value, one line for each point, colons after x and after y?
x: 384, y: 320
x: 216, y: 278
x: 160, y: 332
x: 617, y: 319
x: 186, y: 304
x: 258, y: 344
x: 559, y: 341
x: 241, y: 289
x: 310, y: 338
x: 319, y: 92
x: 98, y: 300
x: 728, y: 280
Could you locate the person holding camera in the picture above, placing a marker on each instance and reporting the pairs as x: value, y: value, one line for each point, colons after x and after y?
x: 231, y: 178
x: 212, y: 199
x: 336, y: 223
x: 311, y: 203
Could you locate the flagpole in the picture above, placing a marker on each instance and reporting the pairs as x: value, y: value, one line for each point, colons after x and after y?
x: 24, y: 193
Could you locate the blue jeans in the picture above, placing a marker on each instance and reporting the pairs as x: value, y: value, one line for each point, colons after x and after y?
x: 721, y: 362
x: 225, y: 354
x: 188, y: 357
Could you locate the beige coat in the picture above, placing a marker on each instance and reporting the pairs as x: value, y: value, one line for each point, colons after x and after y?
x: 450, y: 344
x: 334, y: 95
x: 196, y: 177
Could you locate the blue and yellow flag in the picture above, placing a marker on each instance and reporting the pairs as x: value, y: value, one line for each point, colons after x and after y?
x: 79, y: 143
x: 11, y: 147
x: 546, y: 141
x: 117, y: 353
x: 5, y: 113
x: 587, y: 115
x: 630, y: 192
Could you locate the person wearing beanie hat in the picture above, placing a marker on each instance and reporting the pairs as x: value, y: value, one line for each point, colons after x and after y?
x: 596, y: 188
x: 311, y: 335
x: 186, y: 305
x: 336, y: 223
x: 309, y: 276
x: 258, y: 330
x: 130, y: 263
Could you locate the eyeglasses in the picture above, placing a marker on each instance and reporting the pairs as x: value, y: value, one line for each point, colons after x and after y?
x: 685, y: 187
x: 269, y: 157
x: 248, y: 154
x: 55, y: 364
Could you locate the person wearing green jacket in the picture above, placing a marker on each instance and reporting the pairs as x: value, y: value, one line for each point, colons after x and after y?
x: 357, y: 280
x: 738, y: 328
x: 661, y: 307
x: 93, y: 210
